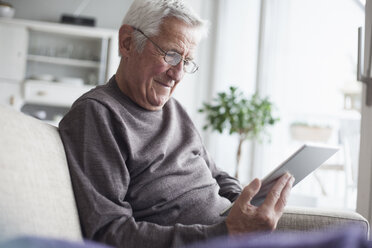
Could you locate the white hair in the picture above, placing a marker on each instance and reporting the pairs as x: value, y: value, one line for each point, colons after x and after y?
x: 148, y: 15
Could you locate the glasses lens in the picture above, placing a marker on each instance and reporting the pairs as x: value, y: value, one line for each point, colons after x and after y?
x: 190, y: 66
x: 172, y: 58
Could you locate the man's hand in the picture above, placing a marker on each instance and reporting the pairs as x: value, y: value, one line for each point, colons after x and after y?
x: 244, y: 217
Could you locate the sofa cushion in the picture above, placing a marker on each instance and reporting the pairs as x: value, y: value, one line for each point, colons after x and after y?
x: 36, y: 196
x: 306, y: 219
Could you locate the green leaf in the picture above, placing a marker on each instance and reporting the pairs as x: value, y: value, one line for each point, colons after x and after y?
x: 232, y: 111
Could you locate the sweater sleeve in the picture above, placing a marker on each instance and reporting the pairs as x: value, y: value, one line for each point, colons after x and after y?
x: 96, y: 157
x: 230, y: 187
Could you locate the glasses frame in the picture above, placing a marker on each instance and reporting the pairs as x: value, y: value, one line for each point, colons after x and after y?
x: 194, y: 67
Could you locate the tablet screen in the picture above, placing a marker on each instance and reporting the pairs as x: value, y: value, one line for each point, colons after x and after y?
x: 300, y: 164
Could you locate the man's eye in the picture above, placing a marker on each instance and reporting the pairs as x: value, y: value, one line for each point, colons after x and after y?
x: 173, y: 54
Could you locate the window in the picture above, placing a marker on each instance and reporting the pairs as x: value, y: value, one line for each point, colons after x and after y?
x: 303, y: 55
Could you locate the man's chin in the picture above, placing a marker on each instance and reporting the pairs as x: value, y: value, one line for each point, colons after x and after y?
x: 158, y: 102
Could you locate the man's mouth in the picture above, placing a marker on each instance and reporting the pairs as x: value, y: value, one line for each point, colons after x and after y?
x: 169, y: 85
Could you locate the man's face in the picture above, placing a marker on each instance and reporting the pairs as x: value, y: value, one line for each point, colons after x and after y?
x: 147, y: 79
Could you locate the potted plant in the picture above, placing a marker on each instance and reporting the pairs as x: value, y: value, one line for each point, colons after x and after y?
x: 246, y: 117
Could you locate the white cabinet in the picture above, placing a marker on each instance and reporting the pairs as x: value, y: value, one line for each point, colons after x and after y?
x: 10, y: 94
x: 53, y: 64
x: 41, y: 92
x: 13, y: 51
x: 63, y: 56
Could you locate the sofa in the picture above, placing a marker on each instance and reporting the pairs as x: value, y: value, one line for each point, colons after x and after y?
x: 37, y: 199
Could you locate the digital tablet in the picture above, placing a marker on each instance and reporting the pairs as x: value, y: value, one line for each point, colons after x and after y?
x: 300, y: 164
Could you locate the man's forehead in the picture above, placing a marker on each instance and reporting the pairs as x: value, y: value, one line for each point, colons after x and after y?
x: 177, y: 32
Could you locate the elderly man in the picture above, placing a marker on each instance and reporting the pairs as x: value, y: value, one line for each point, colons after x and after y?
x: 140, y: 172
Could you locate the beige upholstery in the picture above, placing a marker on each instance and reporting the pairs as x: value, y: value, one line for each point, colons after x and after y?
x: 306, y: 219
x: 36, y: 196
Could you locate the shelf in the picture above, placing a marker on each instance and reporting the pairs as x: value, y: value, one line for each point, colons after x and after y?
x: 63, y: 61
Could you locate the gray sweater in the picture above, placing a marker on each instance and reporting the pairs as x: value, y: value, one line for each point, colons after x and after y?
x: 142, y: 178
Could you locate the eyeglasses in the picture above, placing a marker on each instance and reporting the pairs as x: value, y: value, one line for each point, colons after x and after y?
x: 174, y: 58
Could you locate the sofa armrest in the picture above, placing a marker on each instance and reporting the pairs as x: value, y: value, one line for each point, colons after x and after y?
x: 306, y: 219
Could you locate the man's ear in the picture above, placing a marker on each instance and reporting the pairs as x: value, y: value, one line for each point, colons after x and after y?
x: 126, y: 41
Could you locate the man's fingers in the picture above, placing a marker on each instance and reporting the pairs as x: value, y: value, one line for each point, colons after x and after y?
x: 245, y: 217
x: 284, y: 195
x: 276, y: 191
x: 250, y: 191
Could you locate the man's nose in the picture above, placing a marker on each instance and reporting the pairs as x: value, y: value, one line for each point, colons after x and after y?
x: 176, y: 72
